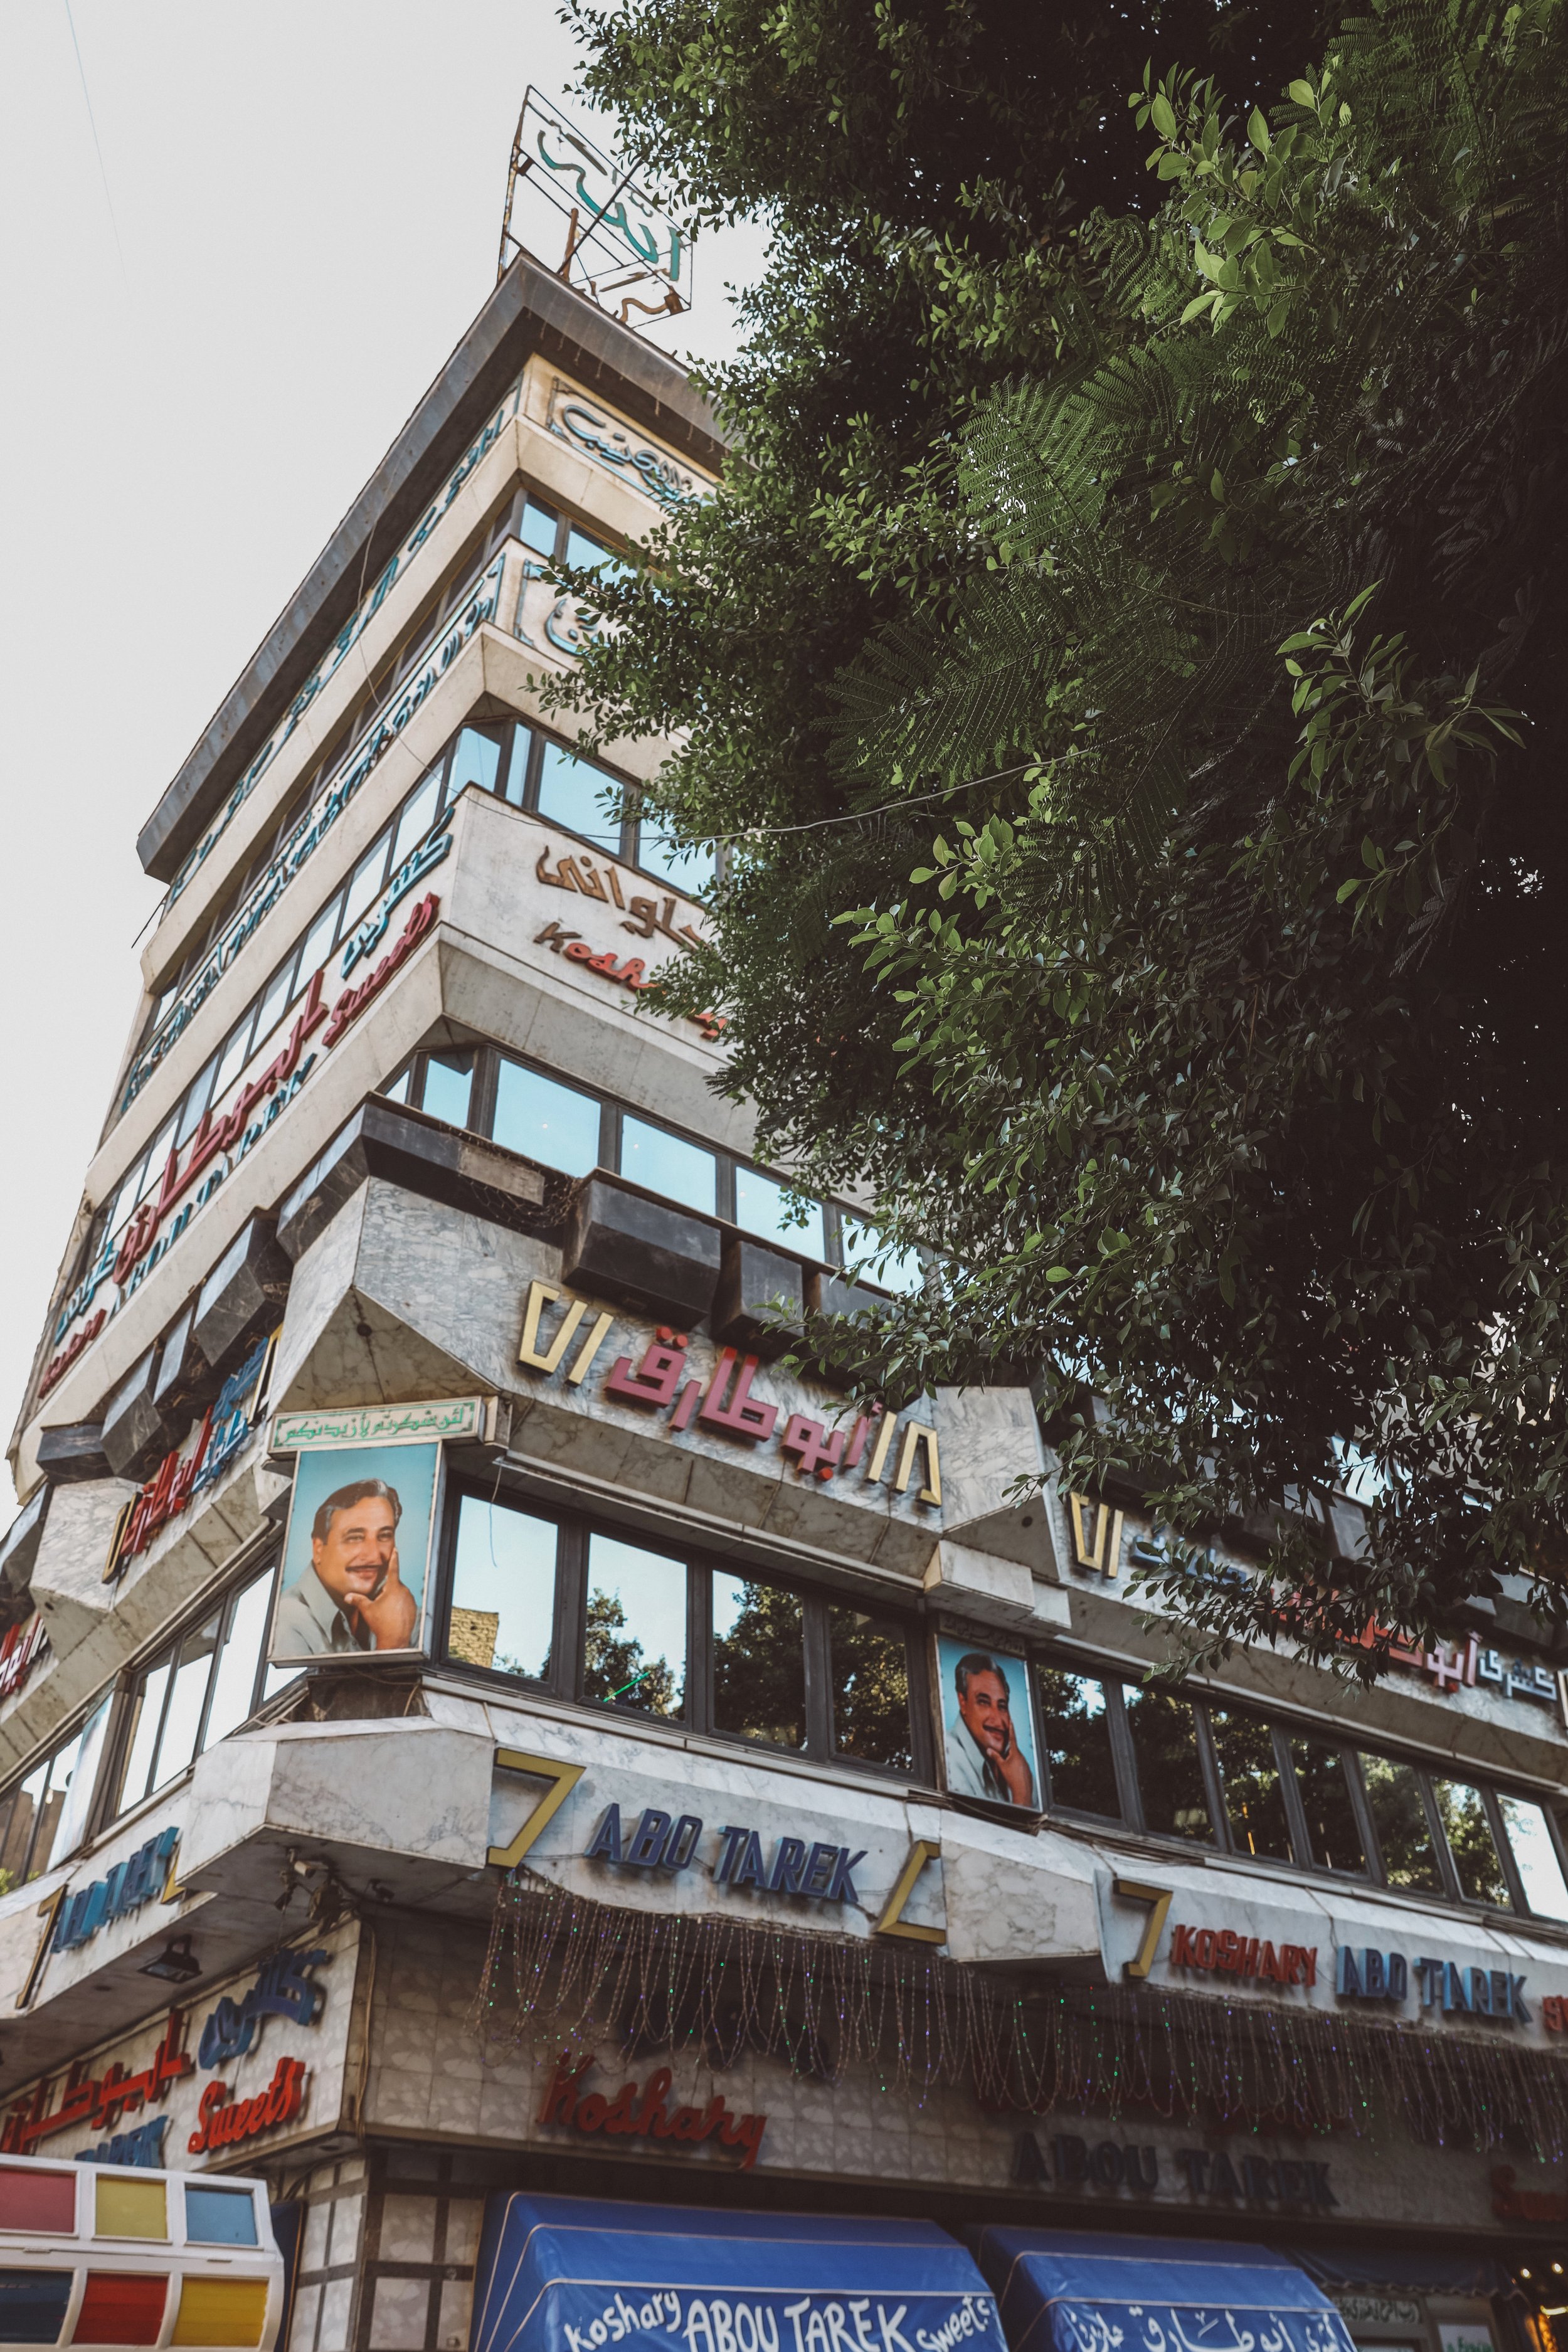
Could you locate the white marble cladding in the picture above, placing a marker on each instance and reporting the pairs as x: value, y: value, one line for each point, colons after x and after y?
x: 429, y: 2078
x: 324, y: 2046
x: 403, y: 1298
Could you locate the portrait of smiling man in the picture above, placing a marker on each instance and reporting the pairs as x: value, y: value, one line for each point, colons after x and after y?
x: 985, y: 1753
x: 352, y: 1596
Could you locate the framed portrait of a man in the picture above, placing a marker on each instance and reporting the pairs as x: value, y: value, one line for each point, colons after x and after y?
x: 357, y: 1555
x: 988, y: 1724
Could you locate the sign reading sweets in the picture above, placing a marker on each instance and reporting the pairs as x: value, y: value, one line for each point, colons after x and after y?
x: 723, y: 1401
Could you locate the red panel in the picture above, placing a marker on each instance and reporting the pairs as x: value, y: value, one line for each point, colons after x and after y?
x: 38, y: 2201
x: 121, y: 2308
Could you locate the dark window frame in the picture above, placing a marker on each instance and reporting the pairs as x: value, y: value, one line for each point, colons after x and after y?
x: 565, y: 1681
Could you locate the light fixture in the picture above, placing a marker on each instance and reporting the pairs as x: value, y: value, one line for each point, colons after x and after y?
x: 1558, y: 2268
x: 1525, y: 2275
x: 175, y: 1964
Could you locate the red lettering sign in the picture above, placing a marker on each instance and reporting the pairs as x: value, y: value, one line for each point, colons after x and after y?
x: 1229, y: 1951
x: 224, y: 2120
x: 636, y: 2114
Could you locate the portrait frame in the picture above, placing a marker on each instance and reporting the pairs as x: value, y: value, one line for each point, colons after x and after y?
x: 969, y: 1771
x: 416, y: 1473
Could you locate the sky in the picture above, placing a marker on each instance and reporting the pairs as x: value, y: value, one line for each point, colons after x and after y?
x: 239, y: 243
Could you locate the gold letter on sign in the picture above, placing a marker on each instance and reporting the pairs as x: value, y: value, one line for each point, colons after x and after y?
x: 914, y: 1431
x: 542, y: 1768
x: 550, y: 1359
x: 46, y: 1910
x: 892, y: 1921
x: 1106, y: 1558
x: 1158, y: 1898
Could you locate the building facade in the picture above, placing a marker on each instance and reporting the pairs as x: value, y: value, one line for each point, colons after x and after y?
x: 472, y: 1717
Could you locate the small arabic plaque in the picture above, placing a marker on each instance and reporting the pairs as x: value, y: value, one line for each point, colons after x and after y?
x: 378, y: 1424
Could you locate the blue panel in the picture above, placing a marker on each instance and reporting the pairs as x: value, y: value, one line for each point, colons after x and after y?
x: 1068, y: 2291
x: 33, y: 2306
x: 572, y: 2273
x: 219, y: 2217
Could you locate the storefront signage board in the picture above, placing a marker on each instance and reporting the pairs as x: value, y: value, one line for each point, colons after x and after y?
x: 154, y: 2096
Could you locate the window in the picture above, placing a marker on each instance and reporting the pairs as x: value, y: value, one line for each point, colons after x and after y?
x: 759, y: 1661
x: 503, y: 1590
x: 869, y: 1258
x: 1170, y: 1769
x: 1536, y: 1857
x: 476, y: 759
x: 195, y: 1692
x: 619, y: 1622
x: 1399, y: 1820
x: 448, y: 1085
x: 1249, y: 1773
x: 690, y: 870
x: 871, y: 1659
x: 1080, y: 1764
x: 1331, y: 1828
x: 634, y: 1652
x: 45, y: 1818
x: 1462, y: 1810
x: 574, y: 792
x: 544, y: 1120
x: 668, y: 1164
x: 539, y: 527
x: 762, y: 1207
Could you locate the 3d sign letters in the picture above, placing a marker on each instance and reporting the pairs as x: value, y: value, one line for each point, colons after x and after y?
x: 820, y: 1871
x: 636, y: 2114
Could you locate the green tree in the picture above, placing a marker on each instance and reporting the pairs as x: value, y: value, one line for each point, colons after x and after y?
x: 1164, y: 679
x: 613, y: 1663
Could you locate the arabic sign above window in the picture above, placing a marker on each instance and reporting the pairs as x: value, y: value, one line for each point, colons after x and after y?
x: 631, y: 456
x: 348, y: 636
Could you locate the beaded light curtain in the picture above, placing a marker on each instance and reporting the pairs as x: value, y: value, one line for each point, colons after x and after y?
x: 565, y: 1970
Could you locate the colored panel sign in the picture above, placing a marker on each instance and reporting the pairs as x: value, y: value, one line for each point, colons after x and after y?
x: 131, y: 2209
x: 221, y: 2310
x: 38, y: 2201
x: 357, y: 1557
x: 378, y: 1424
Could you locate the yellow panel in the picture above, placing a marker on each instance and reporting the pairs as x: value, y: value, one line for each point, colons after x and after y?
x: 131, y: 2209
x: 221, y: 2310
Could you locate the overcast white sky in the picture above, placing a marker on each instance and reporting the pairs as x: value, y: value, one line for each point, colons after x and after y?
x: 204, y: 360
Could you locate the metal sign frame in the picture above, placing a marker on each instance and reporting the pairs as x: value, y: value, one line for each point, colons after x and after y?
x: 617, y: 239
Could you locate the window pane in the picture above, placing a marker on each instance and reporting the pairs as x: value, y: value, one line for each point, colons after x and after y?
x: 689, y: 870
x: 197, y: 1101
x: 537, y: 528
x: 146, y: 1713
x: 184, y: 1721
x: 1399, y: 1817
x: 574, y: 792
x: 317, y: 945
x: 1254, y: 1801
x: 418, y: 815
x: 586, y: 554
x: 365, y: 880
x: 1078, y: 1744
x: 474, y: 761
x: 24, y: 1810
x: 869, y: 1258
x: 157, y: 1158
x: 1536, y: 1856
x: 274, y: 1002
x: 397, y: 1089
x: 666, y: 1163
x: 127, y: 1196
x: 448, y: 1085
x: 503, y: 1590
x: 1165, y: 1738
x: 636, y: 1648
x: 871, y: 1689
x: 759, y: 1661
x: 236, y: 1678
x: 1325, y: 1794
x: 1470, y: 1841
x: 548, y: 1122
x: 232, y: 1060
x: 72, y: 1780
x: 760, y: 1208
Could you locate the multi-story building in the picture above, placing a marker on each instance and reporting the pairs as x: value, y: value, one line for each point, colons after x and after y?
x: 474, y: 1719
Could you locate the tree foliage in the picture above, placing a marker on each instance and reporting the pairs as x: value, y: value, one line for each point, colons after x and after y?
x: 1136, y: 727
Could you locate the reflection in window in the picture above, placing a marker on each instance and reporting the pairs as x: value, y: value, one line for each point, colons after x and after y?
x: 365, y: 882
x: 1535, y: 1853
x: 1254, y: 1801
x: 869, y: 1258
x: 689, y: 870
x: 1170, y: 1772
x: 574, y: 792
x: 449, y: 1085
x: 196, y: 1692
x: 635, y: 1650
x: 668, y: 1164
x: 546, y: 1121
x: 476, y: 761
x: 759, y: 1661
x: 45, y: 1816
x: 1463, y: 1815
x: 234, y: 1685
x: 417, y: 817
x: 537, y: 530
x: 871, y: 1689
x: 1326, y: 1798
x: 762, y: 1207
x: 317, y: 947
x: 1404, y: 1833
x: 188, y: 1698
x: 1078, y: 1762
x: 503, y: 1590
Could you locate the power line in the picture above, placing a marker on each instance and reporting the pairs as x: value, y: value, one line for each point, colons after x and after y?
x: 92, y: 124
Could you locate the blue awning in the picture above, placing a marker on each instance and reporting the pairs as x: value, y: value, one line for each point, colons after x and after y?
x: 1068, y: 2291
x: 574, y: 2274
